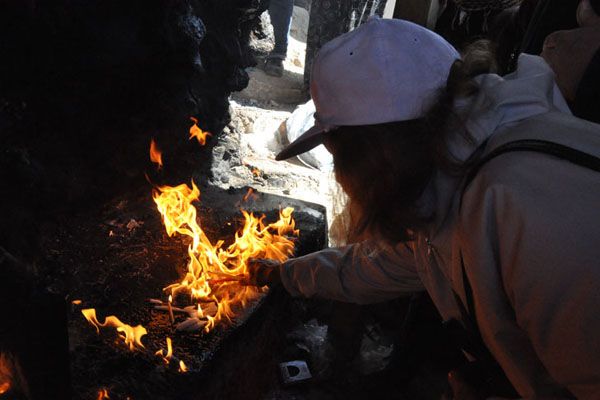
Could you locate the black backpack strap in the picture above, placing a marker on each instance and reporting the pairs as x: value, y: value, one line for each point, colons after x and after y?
x: 539, y: 146
x: 470, y: 337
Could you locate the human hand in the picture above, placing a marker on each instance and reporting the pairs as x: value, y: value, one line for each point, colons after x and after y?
x: 262, y: 271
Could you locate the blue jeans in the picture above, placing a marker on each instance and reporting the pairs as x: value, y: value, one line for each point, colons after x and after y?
x: 280, y: 12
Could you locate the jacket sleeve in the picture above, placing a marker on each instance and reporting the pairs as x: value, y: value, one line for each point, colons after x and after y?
x: 361, y: 273
x: 532, y: 257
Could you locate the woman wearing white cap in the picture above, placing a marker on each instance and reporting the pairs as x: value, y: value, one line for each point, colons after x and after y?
x: 449, y: 181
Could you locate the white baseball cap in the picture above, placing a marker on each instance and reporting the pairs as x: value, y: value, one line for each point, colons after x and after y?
x: 383, y: 71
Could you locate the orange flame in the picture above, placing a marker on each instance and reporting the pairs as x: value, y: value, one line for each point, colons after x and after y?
x: 256, y: 172
x: 182, y: 367
x: 132, y: 335
x: 102, y: 394
x: 255, y: 240
x: 155, y: 154
x: 196, y: 132
x: 166, y: 357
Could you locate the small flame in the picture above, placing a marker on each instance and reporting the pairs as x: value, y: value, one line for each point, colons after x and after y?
x: 166, y: 358
x: 182, y: 367
x: 11, y: 376
x: 76, y: 302
x: 155, y: 154
x: 169, y: 356
x: 196, y: 132
x: 255, y: 240
x: 132, y: 335
x: 102, y: 394
x: 256, y: 172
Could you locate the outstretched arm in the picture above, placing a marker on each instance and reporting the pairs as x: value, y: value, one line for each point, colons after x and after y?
x: 360, y: 273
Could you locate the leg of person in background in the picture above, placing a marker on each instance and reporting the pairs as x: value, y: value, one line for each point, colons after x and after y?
x: 280, y: 12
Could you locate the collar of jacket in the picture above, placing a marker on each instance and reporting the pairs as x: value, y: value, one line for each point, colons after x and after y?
x: 500, y: 102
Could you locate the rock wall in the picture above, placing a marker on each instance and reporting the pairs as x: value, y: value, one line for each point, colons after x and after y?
x: 330, y: 19
x: 85, y: 85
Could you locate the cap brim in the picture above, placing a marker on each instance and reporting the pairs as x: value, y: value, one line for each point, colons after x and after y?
x: 305, y: 142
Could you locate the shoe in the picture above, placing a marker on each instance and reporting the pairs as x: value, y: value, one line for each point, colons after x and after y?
x: 274, y: 67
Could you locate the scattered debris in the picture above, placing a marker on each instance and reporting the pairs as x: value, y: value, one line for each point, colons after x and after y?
x: 133, y: 224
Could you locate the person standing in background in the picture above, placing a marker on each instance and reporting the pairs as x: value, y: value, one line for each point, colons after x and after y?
x: 280, y: 12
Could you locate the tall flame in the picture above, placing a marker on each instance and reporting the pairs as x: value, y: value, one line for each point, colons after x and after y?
x: 213, y: 272
x: 196, y: 132
x: 132, y: 335
x: 208, y: 262
x: 155, y: 154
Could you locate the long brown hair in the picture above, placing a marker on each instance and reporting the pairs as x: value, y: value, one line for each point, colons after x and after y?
x: 385, y: 168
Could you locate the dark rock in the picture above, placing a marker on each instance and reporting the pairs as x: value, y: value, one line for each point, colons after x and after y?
x: 85, y: 85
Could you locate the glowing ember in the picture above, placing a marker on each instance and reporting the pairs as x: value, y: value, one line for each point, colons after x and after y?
x: 76, y: 302
x: 196, y: 132
x: 131, y: 335
x: 207, y: 261
x: 155, y: 154
x: 102, y: 394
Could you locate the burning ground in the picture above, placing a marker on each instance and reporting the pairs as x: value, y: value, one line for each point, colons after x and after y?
x: 124, y: 258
